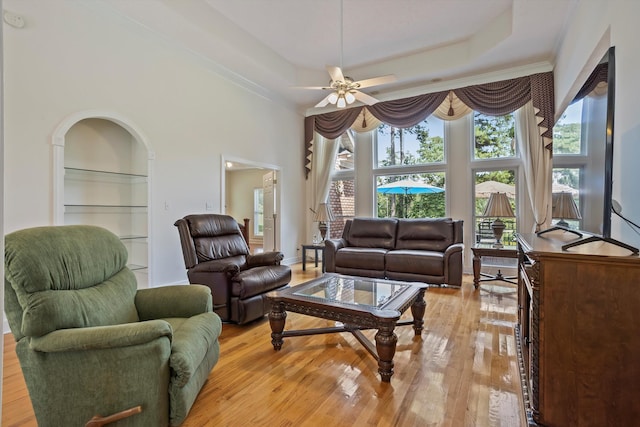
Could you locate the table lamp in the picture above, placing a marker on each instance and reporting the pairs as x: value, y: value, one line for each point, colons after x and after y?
x: 564, y: 207
x: 322, y: 217
x: 498, y: 206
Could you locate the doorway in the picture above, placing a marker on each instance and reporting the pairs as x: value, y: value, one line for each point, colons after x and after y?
x: 251, y: 191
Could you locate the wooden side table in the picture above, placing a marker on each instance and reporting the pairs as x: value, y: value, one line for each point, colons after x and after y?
x: 313, y: 247
x: 479, y: 250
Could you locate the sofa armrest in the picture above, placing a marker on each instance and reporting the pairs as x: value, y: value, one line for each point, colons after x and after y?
x: 453, y: 264
x: 264, y: 258
x: 456, y: 247
x: 173, y: 301
x: 331, y: 246
x: 102, y: 337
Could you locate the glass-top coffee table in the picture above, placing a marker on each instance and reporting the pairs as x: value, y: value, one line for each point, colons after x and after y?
x: 358, y: 303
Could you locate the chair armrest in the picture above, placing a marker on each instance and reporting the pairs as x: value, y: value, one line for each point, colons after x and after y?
x: 264, y: 258
x: 173, y: 301
x: 331, y: 246
x: 229, y: 266
x: 102, y: 337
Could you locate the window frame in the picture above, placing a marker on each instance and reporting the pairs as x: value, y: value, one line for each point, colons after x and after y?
x: 257, y: 193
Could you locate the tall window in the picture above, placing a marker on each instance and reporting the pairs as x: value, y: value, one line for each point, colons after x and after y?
x: 569, y: 159
x: 342, y: 198
x: 409, y: 170
x: 486, y: 183
x: 419, y: 144
x: 496, y: 168
x: 411, y: 196
x: 567, y: 132
x: 258, y: 212
x: 494, y: 136
x: 344, y: 157
x: 342, y: 201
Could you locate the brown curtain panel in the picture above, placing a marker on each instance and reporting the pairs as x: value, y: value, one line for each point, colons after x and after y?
x: 543, y: 104
x: 330, y: 125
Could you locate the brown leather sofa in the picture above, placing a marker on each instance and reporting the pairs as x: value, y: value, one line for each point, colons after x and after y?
x: 216, y: 255
x: 426, y: 250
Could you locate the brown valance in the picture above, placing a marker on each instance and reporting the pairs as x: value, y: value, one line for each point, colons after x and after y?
x: 496, y: 98
x: 407, y: 112
x: 599, y: 75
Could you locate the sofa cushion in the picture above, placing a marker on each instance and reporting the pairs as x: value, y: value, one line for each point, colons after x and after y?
x: 367, y: 258
x: 372, y: 233
x: 259, y: 280
x: 425, y: 234
x: 429, y: 263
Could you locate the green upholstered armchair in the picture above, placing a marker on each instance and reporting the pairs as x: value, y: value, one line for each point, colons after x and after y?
x: 90, y: 343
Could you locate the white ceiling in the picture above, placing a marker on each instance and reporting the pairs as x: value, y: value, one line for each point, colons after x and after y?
x: 273, y: 46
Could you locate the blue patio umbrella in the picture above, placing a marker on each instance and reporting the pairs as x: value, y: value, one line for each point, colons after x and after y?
x: 407, y: 186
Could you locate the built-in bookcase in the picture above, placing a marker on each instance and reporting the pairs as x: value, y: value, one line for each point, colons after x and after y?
x: 106, y: 183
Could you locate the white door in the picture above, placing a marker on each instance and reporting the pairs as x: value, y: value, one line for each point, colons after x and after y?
x: 269, y: 211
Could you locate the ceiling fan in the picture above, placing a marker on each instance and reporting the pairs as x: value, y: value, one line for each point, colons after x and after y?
x: 344, y: 90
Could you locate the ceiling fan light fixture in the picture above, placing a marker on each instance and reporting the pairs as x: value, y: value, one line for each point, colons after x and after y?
x: 350, y: 98
x: 333, y: 98
x: 341, y: 102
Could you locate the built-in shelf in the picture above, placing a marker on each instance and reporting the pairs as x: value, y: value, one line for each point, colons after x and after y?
x: 70, y: 207
x: 69, y: 171
x: 106, y: 184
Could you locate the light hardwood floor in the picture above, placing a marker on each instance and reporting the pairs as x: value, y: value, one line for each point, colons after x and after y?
x: 463, y: 371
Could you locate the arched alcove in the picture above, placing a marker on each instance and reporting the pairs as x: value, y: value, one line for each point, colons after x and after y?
x: 102, y: 166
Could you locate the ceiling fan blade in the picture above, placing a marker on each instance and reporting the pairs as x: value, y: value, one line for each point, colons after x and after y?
x: 312, y: 87
x: 336, y: 74
x: 364, y: 98
x: 322, y: 103
x: 377, y: 81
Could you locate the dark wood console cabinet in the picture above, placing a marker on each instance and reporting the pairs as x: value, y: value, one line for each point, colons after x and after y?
x: 578, y: 335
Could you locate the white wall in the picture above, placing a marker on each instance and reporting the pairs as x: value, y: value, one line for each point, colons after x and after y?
x: 69, y: 58
x: 599, y: 24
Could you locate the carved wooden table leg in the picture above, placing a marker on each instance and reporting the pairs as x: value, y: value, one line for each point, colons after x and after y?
x: 386, y: 341
x: 477, y: 259
x: 417, y: 310
x: 277, y: 316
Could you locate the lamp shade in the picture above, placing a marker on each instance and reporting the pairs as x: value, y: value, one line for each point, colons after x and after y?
x: 324, y: 213
x: 498, y: 206
x: 564, y: 206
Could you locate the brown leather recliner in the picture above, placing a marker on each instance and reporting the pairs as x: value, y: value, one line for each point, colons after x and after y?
x: 216, y: 255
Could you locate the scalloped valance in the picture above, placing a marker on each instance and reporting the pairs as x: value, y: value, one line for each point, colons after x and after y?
x: 494, y: 99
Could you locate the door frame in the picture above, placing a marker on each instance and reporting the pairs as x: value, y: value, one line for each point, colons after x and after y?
x: 224, y: 158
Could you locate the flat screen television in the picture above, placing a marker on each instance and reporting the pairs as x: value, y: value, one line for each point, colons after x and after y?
x: 596, y: 100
